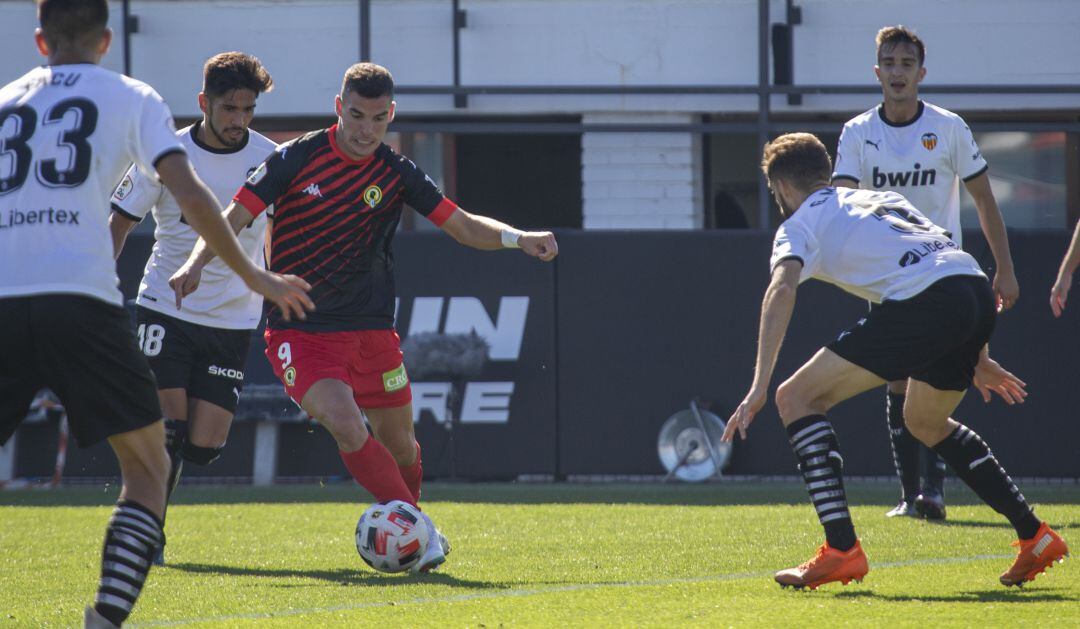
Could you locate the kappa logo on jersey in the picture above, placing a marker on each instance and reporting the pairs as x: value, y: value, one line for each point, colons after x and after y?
x: 889, y: 180
x: 874, y: 144
x: 929, y: 141
x: 313, y: 190
x: 257, y: 176
x: 124, y: 188
x: 372, y: 196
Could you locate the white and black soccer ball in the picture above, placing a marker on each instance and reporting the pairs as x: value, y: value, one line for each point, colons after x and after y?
x: 391, y: 536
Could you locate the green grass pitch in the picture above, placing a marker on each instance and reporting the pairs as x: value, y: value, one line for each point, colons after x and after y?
x: 531, y: 555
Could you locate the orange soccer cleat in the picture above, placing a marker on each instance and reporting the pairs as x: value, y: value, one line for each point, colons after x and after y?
x: 828, y: 565
x: 1035, y: 555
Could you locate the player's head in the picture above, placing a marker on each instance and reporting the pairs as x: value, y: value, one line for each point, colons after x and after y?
x: 364, y: 108
x: 231, y: 83
x: 795, y: 164
x: 900, y: 57
x: 73, y: 29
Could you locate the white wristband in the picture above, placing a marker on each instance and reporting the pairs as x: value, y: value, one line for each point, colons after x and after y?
x: 510, y: 238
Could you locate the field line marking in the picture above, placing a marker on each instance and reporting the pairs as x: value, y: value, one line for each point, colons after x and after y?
x: 577, y: 587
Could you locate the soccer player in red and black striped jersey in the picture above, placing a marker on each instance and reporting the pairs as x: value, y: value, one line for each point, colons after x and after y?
x: 337, y: 196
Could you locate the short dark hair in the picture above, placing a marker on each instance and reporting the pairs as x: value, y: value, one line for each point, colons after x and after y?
x: 797, y: 158
x: 67, y: 22
x: 369, y: 80
x: 229, y: 71
x: 900, y: 34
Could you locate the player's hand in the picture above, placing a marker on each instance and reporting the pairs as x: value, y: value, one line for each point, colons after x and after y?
x: 1060, y: 292
x: 741, y: 419
x: 185, y: 281
x: 1006, y: 289
x: 992, y: 377
x: 288, y: 292
x: 539, y: 245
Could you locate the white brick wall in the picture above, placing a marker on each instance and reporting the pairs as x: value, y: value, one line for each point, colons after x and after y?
x: 641, y: 180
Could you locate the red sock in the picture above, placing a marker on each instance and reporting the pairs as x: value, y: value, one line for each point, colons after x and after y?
x: 413, y: 475
x: 375, y: 469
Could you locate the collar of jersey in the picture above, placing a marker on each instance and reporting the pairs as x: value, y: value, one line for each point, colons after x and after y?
x: 881, y: 114
x: 210, y: 149
x: 332, y: 132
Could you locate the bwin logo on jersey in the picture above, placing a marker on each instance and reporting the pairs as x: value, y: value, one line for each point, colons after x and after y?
x: 887, y: 180
x: 929, y: 141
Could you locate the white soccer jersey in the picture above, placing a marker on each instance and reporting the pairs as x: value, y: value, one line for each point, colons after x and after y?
x: 222, y: 299
x: 923, y: 159
x: 874, y: 245
x: 67, y: 133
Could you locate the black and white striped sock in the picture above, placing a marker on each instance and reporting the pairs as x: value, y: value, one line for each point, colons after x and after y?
x: 905, y: 447
x: 818, y: 451
x: 131, y: 541
x: 971, y: 459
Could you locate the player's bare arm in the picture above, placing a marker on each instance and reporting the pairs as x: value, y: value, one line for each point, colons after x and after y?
x: 186, y: 279
x: 200, y: 209
x: 1005, y: 285
x: 776, y: 309
x: 119, y: 227
x: 1059, y: 293
x: 482, y: 232
x: 845, y: 182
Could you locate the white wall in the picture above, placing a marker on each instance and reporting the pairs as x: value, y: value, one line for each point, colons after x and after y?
x: 307, y: 44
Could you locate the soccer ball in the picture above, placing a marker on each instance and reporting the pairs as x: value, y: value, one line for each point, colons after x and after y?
x: 391, y: 536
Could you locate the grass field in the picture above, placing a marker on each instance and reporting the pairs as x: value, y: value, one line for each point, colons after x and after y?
x: 537, y: 555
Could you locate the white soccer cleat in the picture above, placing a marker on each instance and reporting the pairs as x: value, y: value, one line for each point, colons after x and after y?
x: 436, y: 551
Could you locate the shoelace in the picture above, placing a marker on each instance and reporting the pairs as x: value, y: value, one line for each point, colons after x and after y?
x: 806, y: 565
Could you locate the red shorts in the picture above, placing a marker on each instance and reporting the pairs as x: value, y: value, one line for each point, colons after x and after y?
x: 369, y: 361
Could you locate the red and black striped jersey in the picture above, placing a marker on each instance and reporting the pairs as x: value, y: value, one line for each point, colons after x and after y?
x: 334, y: 221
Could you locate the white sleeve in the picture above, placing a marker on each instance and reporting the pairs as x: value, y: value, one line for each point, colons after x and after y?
x: 848, y: 155
x: 155, y: 132
x: 967, y: 159
x: 794, y: 241
x: 136, y: 194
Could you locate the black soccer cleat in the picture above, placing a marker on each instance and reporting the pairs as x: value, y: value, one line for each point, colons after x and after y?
x: 930, y: 505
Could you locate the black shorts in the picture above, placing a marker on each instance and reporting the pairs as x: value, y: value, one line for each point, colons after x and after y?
x: 84, y: 350
x: 934, y: 337
x: 206, y: 362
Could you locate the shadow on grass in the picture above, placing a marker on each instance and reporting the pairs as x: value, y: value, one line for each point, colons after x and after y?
x: 339, y: 576
x: 710, y: 494
x: 1016, y: 596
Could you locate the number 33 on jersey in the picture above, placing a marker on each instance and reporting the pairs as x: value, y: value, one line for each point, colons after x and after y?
x: 66, y: 135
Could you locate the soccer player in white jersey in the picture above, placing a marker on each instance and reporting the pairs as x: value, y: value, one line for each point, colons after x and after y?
x: 936, y: 311
x: 68, y: 130
x: 921, y: 151
x: 197, y: 350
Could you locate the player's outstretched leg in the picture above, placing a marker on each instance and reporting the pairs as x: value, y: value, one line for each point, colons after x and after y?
x: 1039, y: 546
x: 134, y: 533
x: 905, y: 449
x: 841, y: 558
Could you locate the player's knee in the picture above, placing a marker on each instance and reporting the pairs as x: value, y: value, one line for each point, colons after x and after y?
x: 790, y: 401
x: 200, y: 455
x: 404, y: 452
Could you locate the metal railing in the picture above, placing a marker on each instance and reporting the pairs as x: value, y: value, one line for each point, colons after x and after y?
x: 763, y: 125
